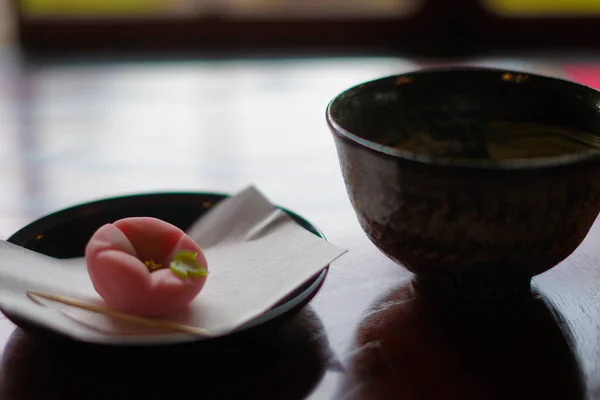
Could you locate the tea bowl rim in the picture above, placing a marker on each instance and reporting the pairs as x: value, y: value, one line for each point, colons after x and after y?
x: 428, y: 159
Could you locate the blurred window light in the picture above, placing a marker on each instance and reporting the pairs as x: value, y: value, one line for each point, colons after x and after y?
x: 231, y: 8
x: 544, y: 8
x: 323, y: 8
x: 93, y: 7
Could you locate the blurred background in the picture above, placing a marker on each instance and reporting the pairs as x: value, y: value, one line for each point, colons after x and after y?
x: 107, y: 97
x: 420, y: 26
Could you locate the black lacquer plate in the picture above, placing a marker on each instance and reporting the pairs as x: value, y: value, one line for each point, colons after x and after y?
x: 64, y: 234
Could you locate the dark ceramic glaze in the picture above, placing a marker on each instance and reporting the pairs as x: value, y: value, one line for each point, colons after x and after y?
x: 467, y: 227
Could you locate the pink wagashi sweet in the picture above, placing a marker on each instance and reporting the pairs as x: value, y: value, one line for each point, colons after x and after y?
x: 145, y: 266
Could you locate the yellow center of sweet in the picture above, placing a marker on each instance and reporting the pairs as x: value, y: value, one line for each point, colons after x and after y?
x: 152, y: 266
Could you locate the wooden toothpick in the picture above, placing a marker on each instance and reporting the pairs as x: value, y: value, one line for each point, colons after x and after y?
x: 119, y: 315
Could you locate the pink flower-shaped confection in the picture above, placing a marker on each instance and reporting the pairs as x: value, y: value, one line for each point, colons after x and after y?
x: 145, y: 266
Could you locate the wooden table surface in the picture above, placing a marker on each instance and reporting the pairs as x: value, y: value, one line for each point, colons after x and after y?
x: 77, y: 132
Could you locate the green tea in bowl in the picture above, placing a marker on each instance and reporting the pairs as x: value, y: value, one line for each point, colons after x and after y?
x: 500, y: 140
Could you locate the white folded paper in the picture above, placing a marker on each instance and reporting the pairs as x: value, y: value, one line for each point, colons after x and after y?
x: 257, y: 255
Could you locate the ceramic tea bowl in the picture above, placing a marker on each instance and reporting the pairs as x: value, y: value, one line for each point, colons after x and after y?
x: 432, y: 191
